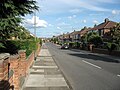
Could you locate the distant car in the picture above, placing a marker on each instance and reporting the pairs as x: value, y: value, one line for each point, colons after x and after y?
x: 65, y: 46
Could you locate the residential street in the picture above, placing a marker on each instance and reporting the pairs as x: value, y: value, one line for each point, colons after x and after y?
x: 87, y: 71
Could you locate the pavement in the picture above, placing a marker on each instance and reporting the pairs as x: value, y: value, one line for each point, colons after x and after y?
x: 45, y: 74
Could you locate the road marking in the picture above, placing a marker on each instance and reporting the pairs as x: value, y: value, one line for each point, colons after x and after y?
x: 118, y: 75
x: 92, y: 64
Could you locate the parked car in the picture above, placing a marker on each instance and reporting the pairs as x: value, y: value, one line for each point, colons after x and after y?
x: 65, y: 46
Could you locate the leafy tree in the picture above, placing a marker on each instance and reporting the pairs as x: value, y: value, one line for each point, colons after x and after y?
x: 115, y: 33
x: 94, y: 39
x: 10, y: 14
x: 111, y: 46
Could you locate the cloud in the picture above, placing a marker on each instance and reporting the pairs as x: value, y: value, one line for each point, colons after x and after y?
x: 50, y: 25
x: 84, y: 4
x: 71, y: 17
x: 39, y: 23
x: 114, y: 12
x: 63, y: 24
x: 58, y: 19
x: 84, y: 21
x: 76, y: 6
x: 95, y: 22
x: 75, y: 11
x: 96, y: 14
x: 107, y: 1
x: 58, y: 28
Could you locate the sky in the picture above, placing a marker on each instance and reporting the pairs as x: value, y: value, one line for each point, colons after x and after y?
x: 56, y: 17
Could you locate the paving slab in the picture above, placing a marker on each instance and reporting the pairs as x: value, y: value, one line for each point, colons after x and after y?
x: 45, y: 74
x: 45, y: 81
x: 45, y: 67
x: 46, y: 88
x: 35, y: 81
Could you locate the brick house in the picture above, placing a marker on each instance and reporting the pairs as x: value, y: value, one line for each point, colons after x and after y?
x: 104, y: 28
x: 84, y: 31
x: 76, y: 36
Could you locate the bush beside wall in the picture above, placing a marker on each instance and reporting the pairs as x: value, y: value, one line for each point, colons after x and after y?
x: 12, y: 46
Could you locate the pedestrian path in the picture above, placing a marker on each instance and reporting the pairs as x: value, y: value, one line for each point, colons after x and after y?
x: 45, y: 74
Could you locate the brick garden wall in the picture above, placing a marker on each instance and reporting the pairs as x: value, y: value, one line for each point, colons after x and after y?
x: 13, y: 68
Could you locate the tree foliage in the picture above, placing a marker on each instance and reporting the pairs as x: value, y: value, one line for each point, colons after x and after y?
x: 115, y: 33
x: 10, y: 14
x: 94, y: 39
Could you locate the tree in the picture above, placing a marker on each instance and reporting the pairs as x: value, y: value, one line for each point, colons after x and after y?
x: 115, y: 33
x: 94, y: 39
x: 10, y: 14
x: 21, y: 33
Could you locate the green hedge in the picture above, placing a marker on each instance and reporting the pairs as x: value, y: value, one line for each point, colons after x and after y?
x: 13, y: 46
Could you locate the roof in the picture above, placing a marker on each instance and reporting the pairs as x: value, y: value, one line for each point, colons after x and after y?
x: 82, y: 32
x: 105, y: 25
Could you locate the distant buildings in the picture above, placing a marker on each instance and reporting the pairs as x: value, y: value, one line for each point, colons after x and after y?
x: 102, y: 29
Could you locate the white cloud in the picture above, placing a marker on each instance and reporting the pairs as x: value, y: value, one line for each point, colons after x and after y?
x: 71, y: 17
x: 63, y: 24
x: 84, y: 4
x: 50, y: 25
x: 74, y: 16
x: 114, y: 12
x: 96, y: 14
x: 84, y: 21
x: 58, y: 28
x: 107, y: 1
x: 95, y: 22
x: 76, y: 6
x: 39, y: 23
x: 58, y: 19
x: 75, y: 11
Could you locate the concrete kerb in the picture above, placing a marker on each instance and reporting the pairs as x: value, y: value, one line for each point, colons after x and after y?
x: 67, y: 81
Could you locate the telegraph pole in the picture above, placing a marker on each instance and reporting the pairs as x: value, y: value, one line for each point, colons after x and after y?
x: 35, y: 32
x: 35, y: 24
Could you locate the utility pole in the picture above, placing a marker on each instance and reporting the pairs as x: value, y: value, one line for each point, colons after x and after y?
x: 35, y: 32
x: 35, y: 24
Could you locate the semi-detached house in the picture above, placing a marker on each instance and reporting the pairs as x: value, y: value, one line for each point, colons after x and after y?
x: 103, y: 28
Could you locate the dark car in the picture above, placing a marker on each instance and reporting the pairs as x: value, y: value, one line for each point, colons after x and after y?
x: 65, y: 46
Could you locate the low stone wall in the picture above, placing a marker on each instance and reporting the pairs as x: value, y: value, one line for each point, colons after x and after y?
x: 105, y: 51
x: 14, y: 68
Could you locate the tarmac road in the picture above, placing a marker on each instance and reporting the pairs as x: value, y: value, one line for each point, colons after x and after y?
x: 87, y: 71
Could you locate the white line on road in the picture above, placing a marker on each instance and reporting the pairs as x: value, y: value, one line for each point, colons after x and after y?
x: 92, y: 64
x: 118, y: 75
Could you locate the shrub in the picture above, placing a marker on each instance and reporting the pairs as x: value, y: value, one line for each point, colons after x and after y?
x: 12, y: 46
x: 71, y: 44
x: 95, y: 39
x: 111, y: 46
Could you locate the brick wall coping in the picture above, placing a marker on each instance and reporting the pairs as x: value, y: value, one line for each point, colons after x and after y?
x: 4, y: 56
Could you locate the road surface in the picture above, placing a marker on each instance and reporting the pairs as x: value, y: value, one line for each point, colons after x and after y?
x: 87, y: 71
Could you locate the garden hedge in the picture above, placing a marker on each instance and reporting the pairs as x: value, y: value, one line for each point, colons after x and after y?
x: 13, y: 46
